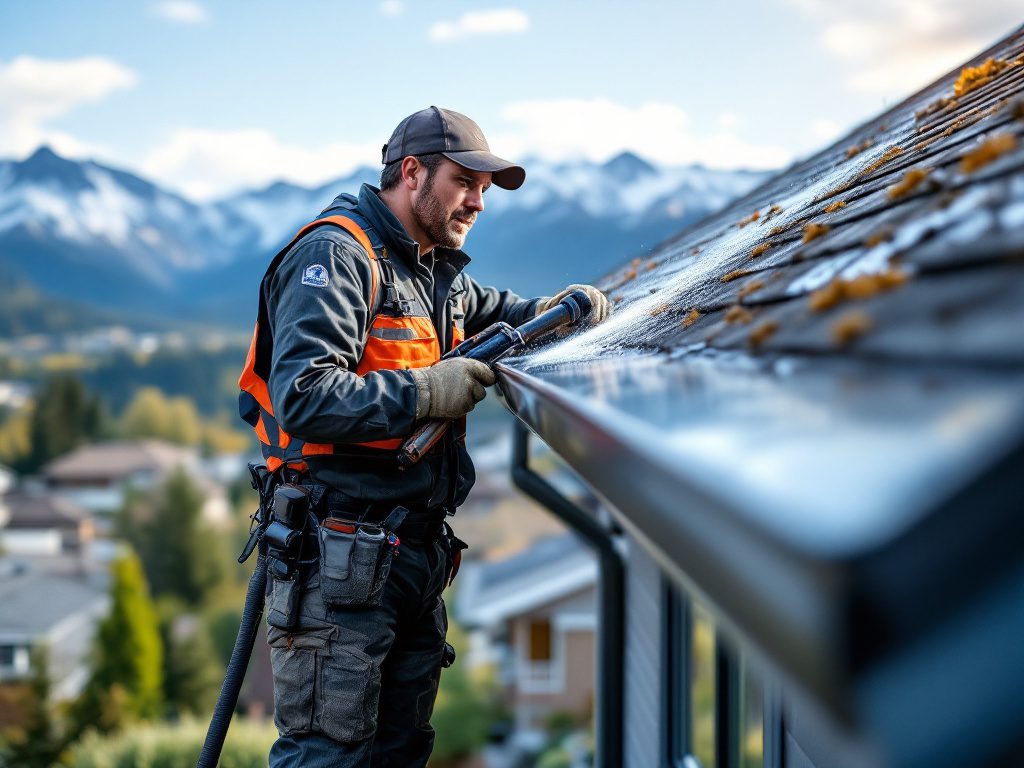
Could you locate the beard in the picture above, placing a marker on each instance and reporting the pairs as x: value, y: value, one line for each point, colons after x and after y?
x: 439, y: 225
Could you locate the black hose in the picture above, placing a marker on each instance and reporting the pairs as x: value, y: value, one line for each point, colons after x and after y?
x: 252, y: 614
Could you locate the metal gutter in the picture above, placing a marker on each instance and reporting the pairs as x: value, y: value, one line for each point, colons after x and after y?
x: 857, y: 628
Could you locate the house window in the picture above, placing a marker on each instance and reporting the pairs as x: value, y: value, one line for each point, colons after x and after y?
x: 540, y: 641
x: 7, y: 655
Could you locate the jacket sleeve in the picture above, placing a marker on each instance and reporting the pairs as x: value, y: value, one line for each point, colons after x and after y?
x: 484, y: 306
x: 318, y: 338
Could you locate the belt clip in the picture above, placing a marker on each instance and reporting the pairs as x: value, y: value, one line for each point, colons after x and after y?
x: 394, y: 519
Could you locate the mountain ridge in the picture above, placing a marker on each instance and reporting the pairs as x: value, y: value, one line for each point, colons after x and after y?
x: 105, y: 237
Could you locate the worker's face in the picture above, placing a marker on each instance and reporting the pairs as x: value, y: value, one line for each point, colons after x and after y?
x: 449, y: 202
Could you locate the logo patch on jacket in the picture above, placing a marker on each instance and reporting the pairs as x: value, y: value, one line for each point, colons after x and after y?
x: 315, y: 275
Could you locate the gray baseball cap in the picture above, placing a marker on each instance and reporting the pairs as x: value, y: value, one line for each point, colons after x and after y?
x: 456, y: 137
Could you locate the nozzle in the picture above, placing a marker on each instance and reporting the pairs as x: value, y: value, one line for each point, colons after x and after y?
x: 579, y: 305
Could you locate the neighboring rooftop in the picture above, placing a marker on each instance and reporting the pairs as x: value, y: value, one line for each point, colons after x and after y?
x: 42, y: 510
x: 116, y: 461
x: 552, y: 568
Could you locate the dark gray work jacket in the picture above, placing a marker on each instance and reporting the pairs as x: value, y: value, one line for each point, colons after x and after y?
x: 318, y: 330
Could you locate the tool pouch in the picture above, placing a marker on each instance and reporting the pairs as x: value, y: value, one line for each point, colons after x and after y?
x: 355, y: 559
x: 283, y: 539
x: 283, y: 606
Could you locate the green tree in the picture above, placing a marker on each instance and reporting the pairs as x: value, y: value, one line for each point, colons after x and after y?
x: 126, y: 680
x: 65, y: 416
x: 39, y: 742
x: 180, y: 555
x: 192, y: 671
x: 463, y: 710
x: 152, y: 414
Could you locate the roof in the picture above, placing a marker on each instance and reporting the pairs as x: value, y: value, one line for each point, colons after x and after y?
x: 552, y: 568
x: 42, y: 510
x: 35, y: 602
x: 810, y: 406
x: 116, y: 461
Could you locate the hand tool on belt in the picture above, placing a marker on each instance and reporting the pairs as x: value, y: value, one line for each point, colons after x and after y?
x: 489, y: 346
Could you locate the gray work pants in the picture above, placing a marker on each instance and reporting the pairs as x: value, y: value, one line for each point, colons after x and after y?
x: 355, y: 686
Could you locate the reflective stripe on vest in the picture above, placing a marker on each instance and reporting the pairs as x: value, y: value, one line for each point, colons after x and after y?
x: 393, y: 343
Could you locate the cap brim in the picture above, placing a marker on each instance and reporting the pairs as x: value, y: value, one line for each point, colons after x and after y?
x: 505, y: 174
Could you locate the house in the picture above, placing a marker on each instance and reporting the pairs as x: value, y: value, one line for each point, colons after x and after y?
x: 7, y: 478
x: 96, y: 476
x: 533, y: 616
x: 53, y: 605
x: 40, y: 523
x: 806, y: 419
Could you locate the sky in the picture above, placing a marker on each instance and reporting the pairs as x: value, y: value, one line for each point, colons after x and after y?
x: 210, y: 97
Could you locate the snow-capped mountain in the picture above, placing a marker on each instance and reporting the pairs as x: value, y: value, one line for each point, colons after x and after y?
x: 110, y: 239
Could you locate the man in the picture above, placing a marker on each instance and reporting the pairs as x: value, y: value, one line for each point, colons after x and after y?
x: 345, y: 363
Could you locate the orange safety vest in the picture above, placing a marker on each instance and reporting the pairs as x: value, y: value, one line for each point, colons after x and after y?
x: 417, y: 347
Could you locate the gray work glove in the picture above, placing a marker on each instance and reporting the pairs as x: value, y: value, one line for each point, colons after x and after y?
x: 602, y: 307
x: 450, y: 388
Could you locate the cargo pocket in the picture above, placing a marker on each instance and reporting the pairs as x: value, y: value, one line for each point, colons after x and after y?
x: 293, y: 660
x: 349, y: 693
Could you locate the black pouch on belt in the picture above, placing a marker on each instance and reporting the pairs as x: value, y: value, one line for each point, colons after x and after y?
x: 355, y: 558
x: 283, y: 539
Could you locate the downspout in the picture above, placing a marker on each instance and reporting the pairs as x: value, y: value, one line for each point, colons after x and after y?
x: 610, y: 599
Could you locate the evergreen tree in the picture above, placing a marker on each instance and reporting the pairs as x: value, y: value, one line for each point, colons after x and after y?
x: 38, y: 743
x: 64, y: 417
x: 192, y: 671
x: 127, y: 674
x: 176, y: 548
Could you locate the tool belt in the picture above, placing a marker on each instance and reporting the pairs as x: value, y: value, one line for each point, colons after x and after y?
x: 306, y: 527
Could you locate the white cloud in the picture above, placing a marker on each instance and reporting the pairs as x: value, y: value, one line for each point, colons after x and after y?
x: 181, y: 11
x: 500, y: 21
x: 392, y: 7
x: 205, y: 164
x: 894, y: 48
x: 598, y: 129
x: 35, y: 91
x: 824, y: 130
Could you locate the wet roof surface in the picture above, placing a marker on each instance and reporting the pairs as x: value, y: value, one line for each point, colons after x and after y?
x: 839, y: 348
x: 810, y: 409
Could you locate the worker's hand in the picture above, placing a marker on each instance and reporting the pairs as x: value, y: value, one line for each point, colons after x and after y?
x: 450, y: 388
x: 601, y: 306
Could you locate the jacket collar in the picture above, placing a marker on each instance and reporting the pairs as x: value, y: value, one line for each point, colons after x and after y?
x: 395, y: 238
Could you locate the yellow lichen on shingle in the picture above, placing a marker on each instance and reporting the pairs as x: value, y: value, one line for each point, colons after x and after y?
x: 737, y: 314
x: 734, y: 275
x: 856, y: 149
x: 992, y: 149
x: 749, y: 220
x: 850, y: 326
x: 833, y: 207
x: 651, y: 265
x: 889, y: 154
x: 856, y: 289
x: 762, y: 333
x: 932, y: 108
x: 909, y: 183
x: 882, y: 236
x: 814, y: 231
x: 760, y: 249
x: 660, y: 309
x: 691, y: 317
x: 972, y: 78
x: 749, y: 288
